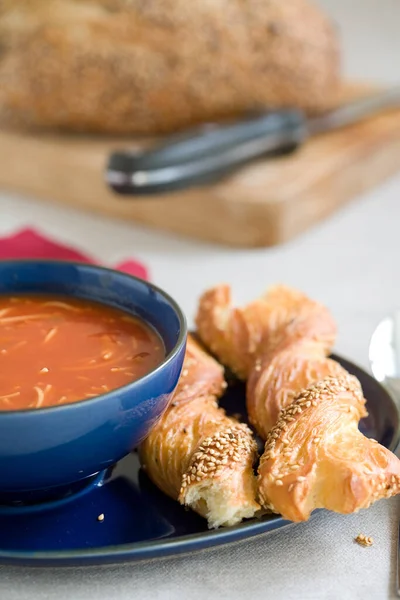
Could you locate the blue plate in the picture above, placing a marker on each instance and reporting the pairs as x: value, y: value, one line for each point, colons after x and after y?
x: 139, y: 521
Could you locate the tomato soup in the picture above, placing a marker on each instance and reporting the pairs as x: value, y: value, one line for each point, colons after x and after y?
x: 56, y: 350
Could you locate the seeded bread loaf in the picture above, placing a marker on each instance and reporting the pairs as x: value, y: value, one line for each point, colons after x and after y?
x: 199, y: 455
x: 152, y: 66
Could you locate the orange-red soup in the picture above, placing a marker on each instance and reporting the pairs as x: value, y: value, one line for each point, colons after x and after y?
x: 56, y: 350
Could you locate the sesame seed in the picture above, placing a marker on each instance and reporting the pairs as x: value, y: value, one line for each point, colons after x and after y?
x: 100, y: 517
x: 220, y: 451
x: 364, y: 540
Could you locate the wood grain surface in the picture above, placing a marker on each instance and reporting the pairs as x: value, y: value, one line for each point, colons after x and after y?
x: 266, y: 203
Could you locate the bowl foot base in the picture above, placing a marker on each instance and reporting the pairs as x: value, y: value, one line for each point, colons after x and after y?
x: 32, y: 500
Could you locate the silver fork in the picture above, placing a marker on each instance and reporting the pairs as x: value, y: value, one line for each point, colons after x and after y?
x: 384, y: 357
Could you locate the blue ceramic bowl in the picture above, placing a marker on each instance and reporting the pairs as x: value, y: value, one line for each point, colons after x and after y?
x: 49, y: 452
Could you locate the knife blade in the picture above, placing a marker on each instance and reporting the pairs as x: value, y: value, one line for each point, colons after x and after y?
x: 208, y: 153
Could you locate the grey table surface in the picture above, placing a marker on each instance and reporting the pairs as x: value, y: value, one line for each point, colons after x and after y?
x: 350, y: 263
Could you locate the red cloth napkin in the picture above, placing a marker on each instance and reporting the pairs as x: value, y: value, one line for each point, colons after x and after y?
x: 30, y: 244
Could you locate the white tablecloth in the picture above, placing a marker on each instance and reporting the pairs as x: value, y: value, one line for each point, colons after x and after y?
x: 350, y: 263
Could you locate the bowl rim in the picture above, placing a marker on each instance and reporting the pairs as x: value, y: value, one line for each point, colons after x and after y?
x: 169, y: 358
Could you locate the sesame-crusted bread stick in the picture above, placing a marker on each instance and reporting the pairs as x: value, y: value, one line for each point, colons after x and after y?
x: 240, y: 336
x: 316, y: 457
x: 304, y: 404
x: 279, y: 343
x: 199, y: 455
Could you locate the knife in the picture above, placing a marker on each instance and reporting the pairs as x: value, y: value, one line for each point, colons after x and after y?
x: 208, y: 153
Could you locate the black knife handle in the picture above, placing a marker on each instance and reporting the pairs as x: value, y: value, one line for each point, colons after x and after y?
x: 205, y: 154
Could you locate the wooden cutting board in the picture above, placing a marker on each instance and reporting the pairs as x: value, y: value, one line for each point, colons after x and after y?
x: 264, y: 204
